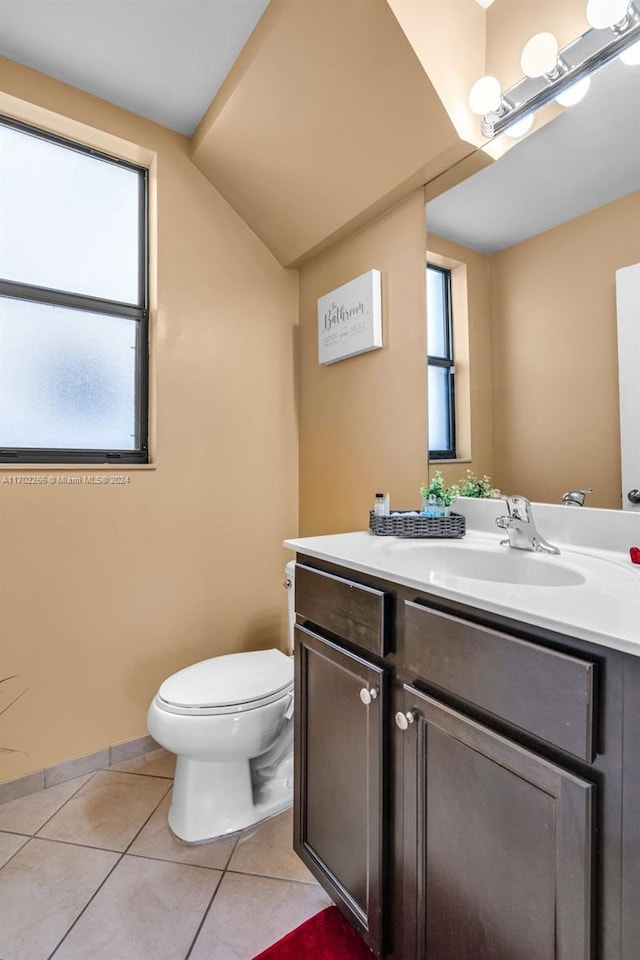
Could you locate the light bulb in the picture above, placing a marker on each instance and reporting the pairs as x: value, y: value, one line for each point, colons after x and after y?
x: 540, y: 55
x: 605, y: 13
x: 485, y: 95
x: 631, y: 56
x: 520, y: 127
x: 574, y: 93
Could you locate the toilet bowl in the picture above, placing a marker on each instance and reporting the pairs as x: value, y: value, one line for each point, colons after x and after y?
x: 229, y: 721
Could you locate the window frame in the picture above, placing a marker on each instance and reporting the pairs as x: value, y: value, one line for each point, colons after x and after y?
x: 447, y: 363
x: 75, y: 301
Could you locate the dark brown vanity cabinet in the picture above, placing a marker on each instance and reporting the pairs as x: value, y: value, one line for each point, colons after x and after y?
x: 340, y: 748
x: 485, y: 804
x: 497, y: 844
x: 499, y: 837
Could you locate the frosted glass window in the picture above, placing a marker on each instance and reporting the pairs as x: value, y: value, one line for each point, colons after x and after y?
x: 68, y: 220
x: 67, y: 378
x: 439, y: 422
x: 73, y: 302
x: 437, y: 318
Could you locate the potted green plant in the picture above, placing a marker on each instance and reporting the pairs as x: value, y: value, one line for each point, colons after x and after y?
x: 472, y: 486
x: 469, y: 486
x: 436, y: 488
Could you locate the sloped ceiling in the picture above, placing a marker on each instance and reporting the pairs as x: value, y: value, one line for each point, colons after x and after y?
x: 326, y: 119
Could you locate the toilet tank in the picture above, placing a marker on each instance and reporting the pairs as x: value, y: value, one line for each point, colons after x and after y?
x: 289, y: 582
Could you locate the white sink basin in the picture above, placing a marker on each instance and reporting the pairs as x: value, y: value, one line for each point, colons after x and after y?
x: 600, y: 601
x: 498, y: 564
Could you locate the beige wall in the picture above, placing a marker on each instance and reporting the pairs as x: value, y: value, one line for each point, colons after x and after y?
x: 106, y: 590
x: 441, y: 33
x: 556, y: 421
x: 363, y: 420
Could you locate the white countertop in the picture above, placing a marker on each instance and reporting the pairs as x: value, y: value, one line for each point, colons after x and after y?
x: 602, y: 605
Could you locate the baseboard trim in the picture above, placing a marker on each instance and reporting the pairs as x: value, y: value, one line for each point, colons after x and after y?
x: 68, y: 769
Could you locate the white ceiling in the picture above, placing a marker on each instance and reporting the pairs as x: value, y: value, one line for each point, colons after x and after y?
x: 588, y: 156
x: 162, y: 59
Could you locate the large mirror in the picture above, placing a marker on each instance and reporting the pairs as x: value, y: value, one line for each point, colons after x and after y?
x: 533, y: 243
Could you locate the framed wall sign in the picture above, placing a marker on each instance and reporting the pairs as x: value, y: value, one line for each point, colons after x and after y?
x: 350, y: 319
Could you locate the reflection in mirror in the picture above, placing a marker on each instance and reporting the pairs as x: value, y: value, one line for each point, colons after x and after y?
x: 535, y: 240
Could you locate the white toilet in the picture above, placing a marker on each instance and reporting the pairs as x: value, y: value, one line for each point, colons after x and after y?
x: 229, y: 720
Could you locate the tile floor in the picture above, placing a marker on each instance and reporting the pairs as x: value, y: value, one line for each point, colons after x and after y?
x: 89, y: 871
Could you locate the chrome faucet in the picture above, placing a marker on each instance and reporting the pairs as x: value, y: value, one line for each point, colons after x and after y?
x: 520, y: 527
x: 575, y: 498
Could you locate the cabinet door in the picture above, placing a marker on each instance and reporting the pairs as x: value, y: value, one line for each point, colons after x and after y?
x: 338, y: 783
x: 497, y: 844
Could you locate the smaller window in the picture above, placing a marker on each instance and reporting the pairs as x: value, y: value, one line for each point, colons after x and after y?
x: 440, y: 365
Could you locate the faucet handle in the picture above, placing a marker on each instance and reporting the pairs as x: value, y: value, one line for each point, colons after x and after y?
x: 575, y: 498
x: 519, y: 508
x: 521, y: 527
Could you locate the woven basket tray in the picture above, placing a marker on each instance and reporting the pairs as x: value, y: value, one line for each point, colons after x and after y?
x: 403, y: 526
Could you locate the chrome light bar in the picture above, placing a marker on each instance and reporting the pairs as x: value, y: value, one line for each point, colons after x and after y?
x: 578, y: 59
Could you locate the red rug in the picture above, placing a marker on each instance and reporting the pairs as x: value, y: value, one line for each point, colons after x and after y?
x: 327, y: 936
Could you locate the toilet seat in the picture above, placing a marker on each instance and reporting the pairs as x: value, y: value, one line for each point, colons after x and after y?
x: 228, y: 684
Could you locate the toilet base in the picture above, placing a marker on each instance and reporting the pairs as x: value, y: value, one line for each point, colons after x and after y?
x: 212, y: 800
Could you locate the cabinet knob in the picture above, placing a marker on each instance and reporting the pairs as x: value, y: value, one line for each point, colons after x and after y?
x: 633, y: 496
x: 368, y: 695
x: 404, y: 719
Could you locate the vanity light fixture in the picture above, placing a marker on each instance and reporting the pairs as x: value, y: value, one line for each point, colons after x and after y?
x: 575, y: 93
x: 631, y: 56
x: 540, y: 56
x: 520, y: 127
x: 485, y: 95
x: 562, y: 75
x: 602, y: 14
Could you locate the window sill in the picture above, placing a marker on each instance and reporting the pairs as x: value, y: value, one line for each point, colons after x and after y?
x: 85, y: 467
x: 454, y: 460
